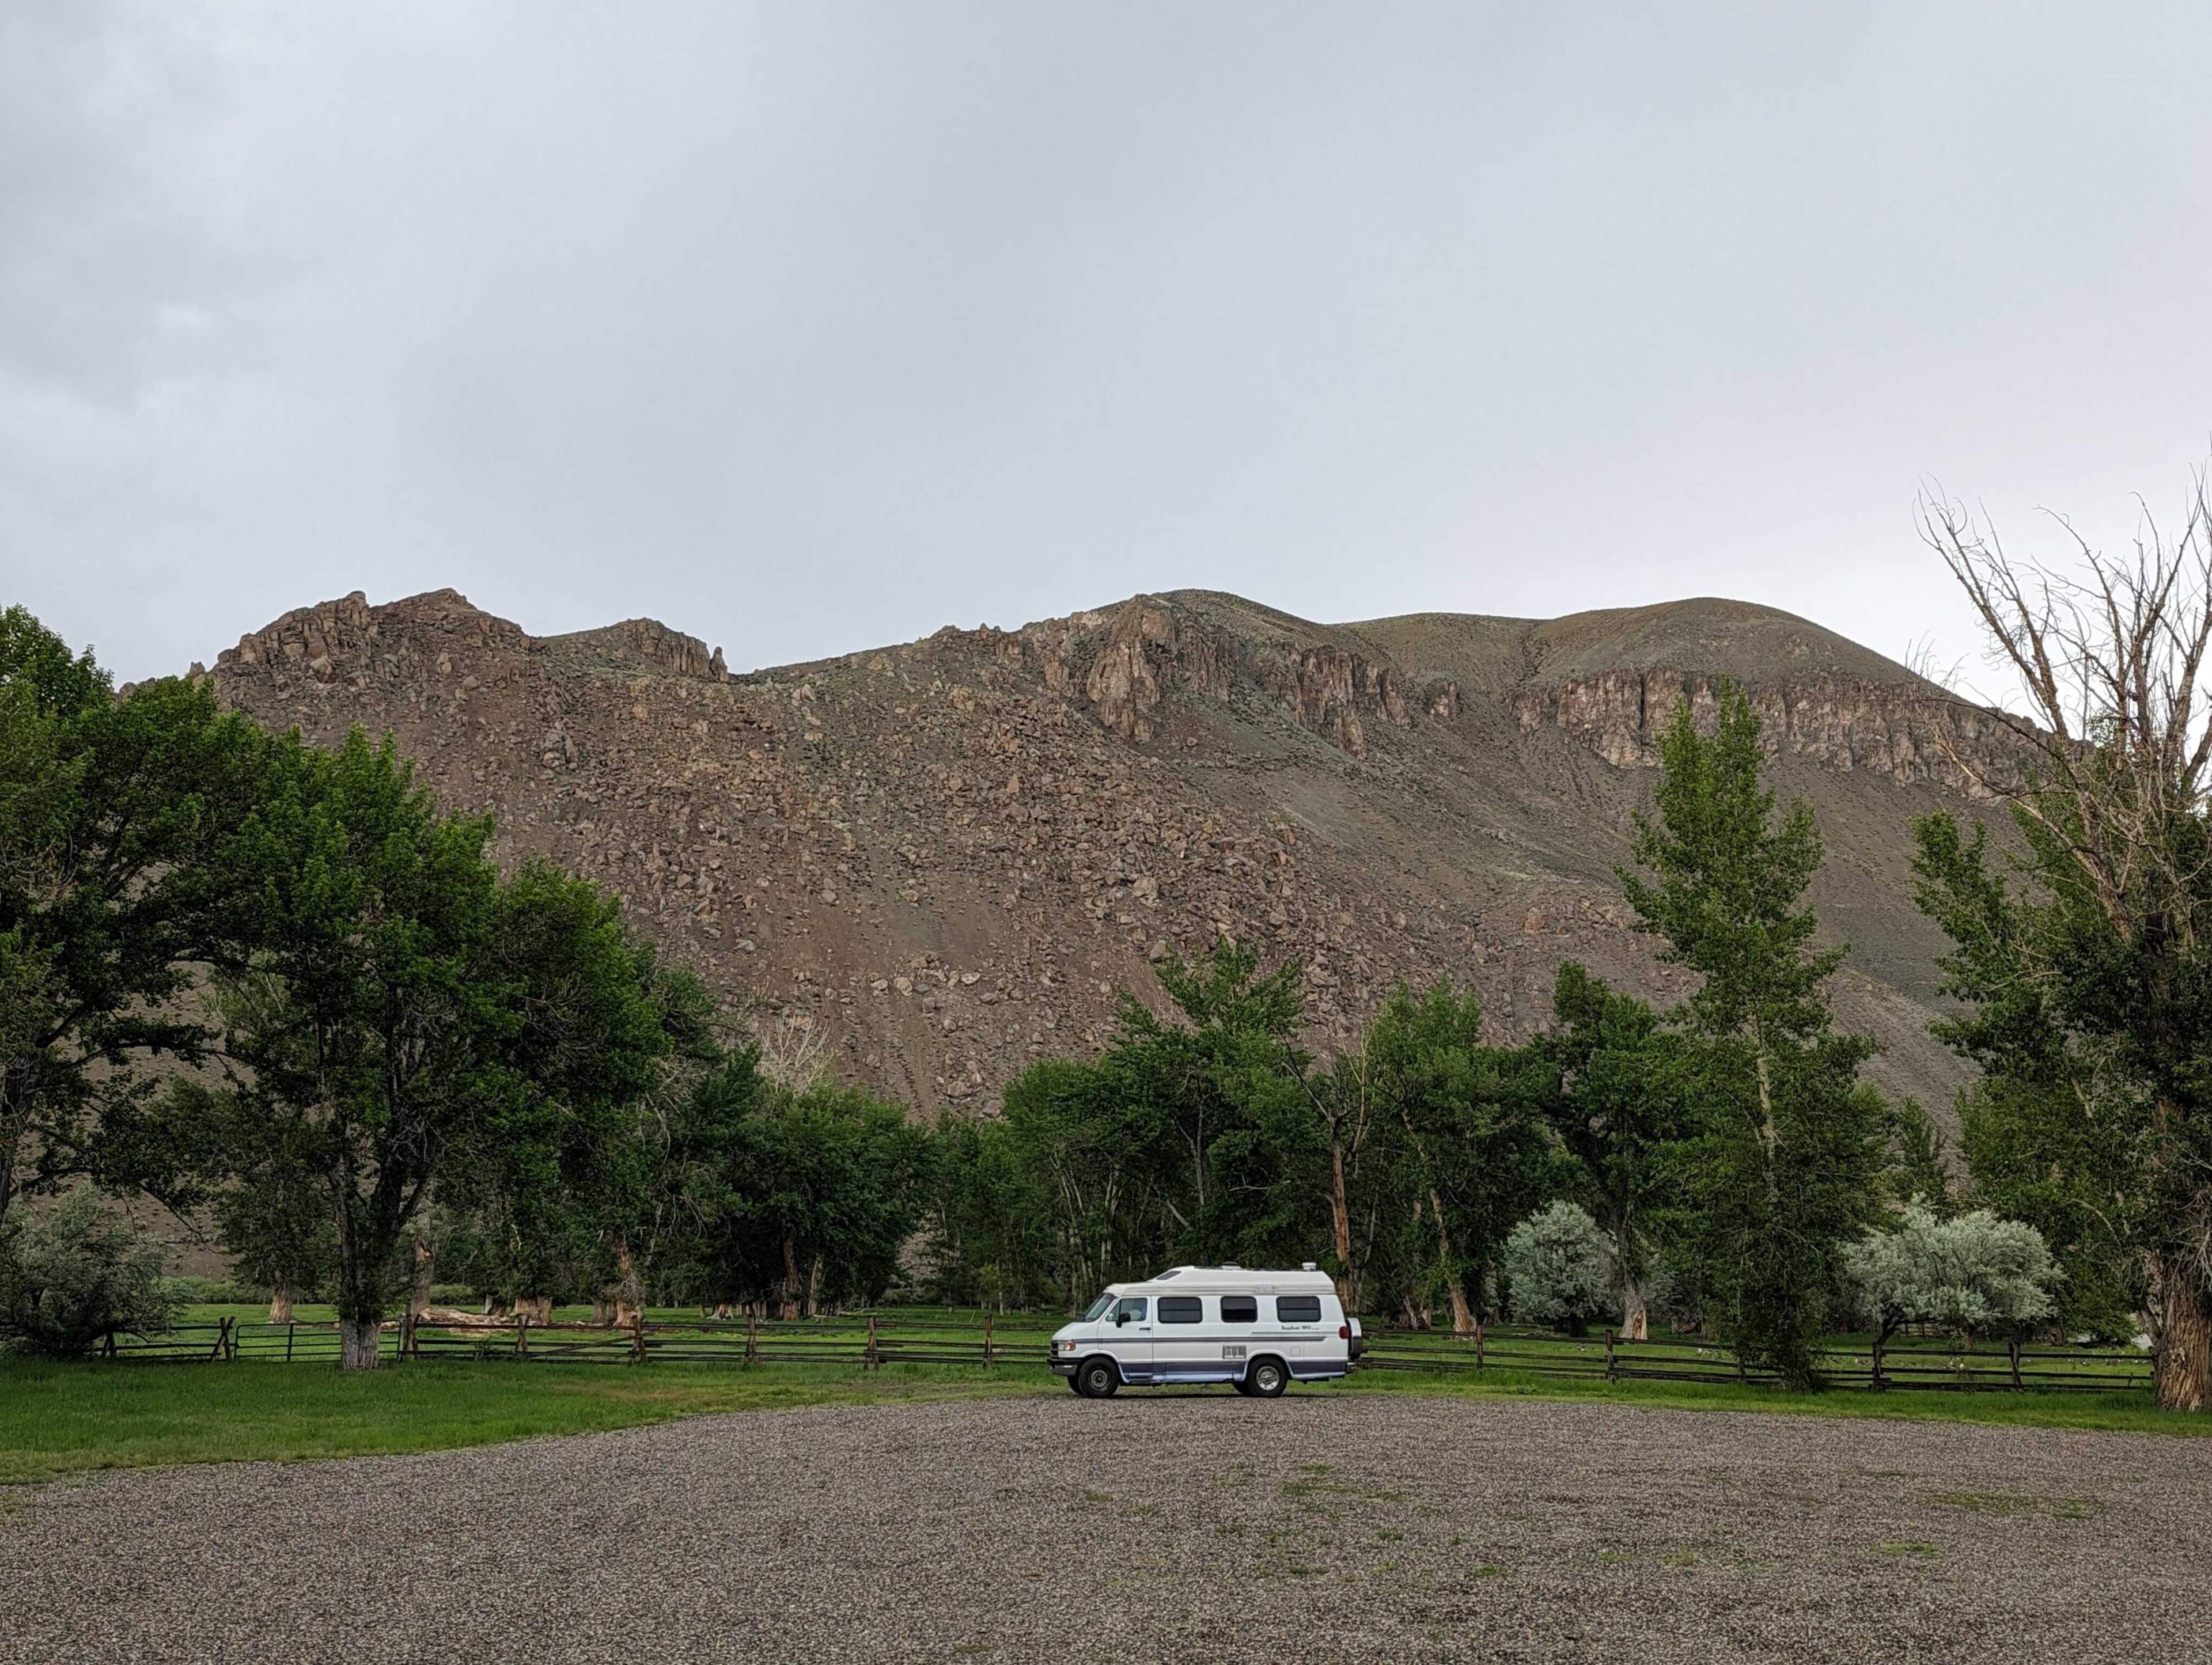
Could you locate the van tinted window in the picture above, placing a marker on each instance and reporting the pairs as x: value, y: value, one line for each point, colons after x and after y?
x: 1132, y: 1309
x: 1179, y: 1309
x: 1297, y: 1309
x: 1239, y: 1309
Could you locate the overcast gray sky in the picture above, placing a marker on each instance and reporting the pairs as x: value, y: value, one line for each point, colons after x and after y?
x: 811, y: 327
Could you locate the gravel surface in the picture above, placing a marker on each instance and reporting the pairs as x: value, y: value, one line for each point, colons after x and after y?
x: 1172, y: 1528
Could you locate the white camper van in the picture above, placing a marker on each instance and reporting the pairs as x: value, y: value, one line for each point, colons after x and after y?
x: 1258, y: 1331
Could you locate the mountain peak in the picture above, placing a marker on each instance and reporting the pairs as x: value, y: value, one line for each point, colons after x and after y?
x: 943, y: 857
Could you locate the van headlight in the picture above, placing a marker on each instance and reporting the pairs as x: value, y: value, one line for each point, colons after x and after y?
x: 1063, y: 1347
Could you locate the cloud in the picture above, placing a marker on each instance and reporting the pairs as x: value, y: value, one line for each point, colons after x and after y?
x: 811, y: 328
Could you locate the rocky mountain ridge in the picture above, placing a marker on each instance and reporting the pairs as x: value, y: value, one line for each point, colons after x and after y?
x: 940, y: 860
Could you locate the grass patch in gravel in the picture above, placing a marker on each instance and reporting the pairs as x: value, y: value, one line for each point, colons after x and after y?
x: 2115, y: 1412
x: 62, y: 1419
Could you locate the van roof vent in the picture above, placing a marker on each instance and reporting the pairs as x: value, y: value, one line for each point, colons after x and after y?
x: 1308, y: 1267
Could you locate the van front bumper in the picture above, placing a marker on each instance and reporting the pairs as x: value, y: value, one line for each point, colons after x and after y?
x: 1063, y: 1364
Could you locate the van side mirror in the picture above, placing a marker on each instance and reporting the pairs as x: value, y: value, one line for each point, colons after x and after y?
x: 1120, y: 1319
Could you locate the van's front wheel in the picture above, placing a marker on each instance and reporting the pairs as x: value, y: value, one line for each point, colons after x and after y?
x: 1098, y: 1378
x: 1267, y: 1378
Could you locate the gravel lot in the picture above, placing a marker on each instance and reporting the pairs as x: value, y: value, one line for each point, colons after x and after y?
x: 1191, y: 1528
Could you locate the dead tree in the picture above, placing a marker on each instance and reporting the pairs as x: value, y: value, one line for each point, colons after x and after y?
x: 2111, y: 659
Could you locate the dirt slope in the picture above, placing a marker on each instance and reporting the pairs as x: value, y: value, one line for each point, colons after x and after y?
x: 942, y: 857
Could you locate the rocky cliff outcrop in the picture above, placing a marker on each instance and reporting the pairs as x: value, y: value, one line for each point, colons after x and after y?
x: 943, y: 859
x: 1124, y: 659
x: 1906, y: 731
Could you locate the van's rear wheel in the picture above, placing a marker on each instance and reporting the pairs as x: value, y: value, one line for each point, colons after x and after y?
x: 1267, y: 1378
x: 1098, y: 1378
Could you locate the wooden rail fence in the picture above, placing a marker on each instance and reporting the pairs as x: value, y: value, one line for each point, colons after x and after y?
x: 872, y: 1341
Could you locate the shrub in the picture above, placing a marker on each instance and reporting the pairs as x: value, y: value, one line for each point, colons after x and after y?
x: 80, y: 1276
x: 1557, y: 1268
x: 1972, y: 1274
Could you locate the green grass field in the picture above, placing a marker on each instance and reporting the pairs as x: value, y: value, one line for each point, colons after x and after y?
x: 60, y: 1418
x: 2115, y: 1412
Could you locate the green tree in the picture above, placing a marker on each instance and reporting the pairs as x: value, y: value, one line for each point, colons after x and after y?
x: 269, y: 1199
x: 828, y: 1182
x: 553, y: 1196
x: 393, y: 1006
x: 1473, y: 1156
x: 2061, y: 1129
x: 989, y: 1217
x: 2102, y: 953
x: 1918, y: 1171
x: 692, y: 1148
x: 1618, y: 1101
x: 77, y: 1277
x: 109, y: 808
x: 1239, y: 1172
x: 1789, y: 1162
x: 1095, y: 1151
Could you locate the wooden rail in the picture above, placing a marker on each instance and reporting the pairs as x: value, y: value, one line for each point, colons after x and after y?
x: 878, y: 1339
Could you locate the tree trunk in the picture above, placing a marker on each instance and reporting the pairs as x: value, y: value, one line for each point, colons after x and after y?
x: 788, y: 1307
x: 814, y: 1288
x: 1635, y: 1320
x: 426, y: 1262
x: 628, y: 1296
x: 1463, y: 1314
x: 280, y: 1301
x: 2183, y: 1347
x: 1340, y: 1218
x: 358, y: 1344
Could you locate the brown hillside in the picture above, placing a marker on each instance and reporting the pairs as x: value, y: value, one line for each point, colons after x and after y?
x: 943, y: 857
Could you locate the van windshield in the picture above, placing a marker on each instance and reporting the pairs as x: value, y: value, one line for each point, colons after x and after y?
x: 1098, y: 1308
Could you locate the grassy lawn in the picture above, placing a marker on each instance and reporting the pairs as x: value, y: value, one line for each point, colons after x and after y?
x: 56, y: 1419
x: 2115, y: 1412
x: 60, y: 1418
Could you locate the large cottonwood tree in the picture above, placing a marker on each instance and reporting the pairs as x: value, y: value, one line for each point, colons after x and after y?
x: 391, y: 1005
x: 109, y: 808
x: 2097, y: 968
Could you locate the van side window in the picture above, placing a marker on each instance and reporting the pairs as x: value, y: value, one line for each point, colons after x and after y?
x: 1297, y: 1309
x: 1179, y: 1309
x: 1239, y: 1309
x: 1131, y: 1311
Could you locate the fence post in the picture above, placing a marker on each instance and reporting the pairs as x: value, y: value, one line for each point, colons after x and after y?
x: 752, y: 1333
x: 1879, y: 1384
x: 287, y: 1341
x: 221, y: 1335
x: 989, y: 1357
x: 868, y: 1363
x: 2012, y: 1346
x: 1477, y: 1349
x: 637, y: 1332
x: 521, y: 1333
x: 1611, y: 1374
